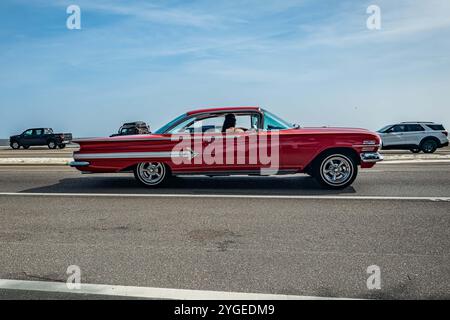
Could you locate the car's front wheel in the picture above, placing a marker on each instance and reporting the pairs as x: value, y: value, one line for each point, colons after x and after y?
x: 15, y: 145
x: 335, y: 170
x: 151, y: 174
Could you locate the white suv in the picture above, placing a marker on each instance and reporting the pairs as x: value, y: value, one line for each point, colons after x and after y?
x: 414, y: 136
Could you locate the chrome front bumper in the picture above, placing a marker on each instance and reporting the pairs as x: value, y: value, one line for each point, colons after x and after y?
x: 75, y: 164
x: 371, y: 157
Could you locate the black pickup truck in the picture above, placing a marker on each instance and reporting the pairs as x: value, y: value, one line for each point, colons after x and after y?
x: 40, y: 137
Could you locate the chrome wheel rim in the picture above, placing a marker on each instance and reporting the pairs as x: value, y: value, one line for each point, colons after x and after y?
x: 51, y: 145
x: 151, y: 173
x: 336, y: 170
x: 15, y: 145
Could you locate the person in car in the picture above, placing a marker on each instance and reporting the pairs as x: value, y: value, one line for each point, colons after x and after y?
x: 229, y: 125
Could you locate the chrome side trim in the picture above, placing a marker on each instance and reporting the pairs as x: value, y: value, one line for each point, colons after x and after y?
x: 136, y: 155
x: 366, y: 146
x: 199, y: 136
x: 233, y: 173
x: 79, y: 164
x: 371, y: 157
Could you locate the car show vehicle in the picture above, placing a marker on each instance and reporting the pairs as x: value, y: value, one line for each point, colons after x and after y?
x: 40, y: 137
x: 132, y: 128
x: 233, y: 141
x: 414, y: 136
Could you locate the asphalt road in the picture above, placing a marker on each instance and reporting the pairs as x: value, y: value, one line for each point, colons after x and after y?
x: 429, y: 180
x: 314, y: 247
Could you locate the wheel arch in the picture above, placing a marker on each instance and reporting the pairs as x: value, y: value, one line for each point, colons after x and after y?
x: 435, y: 139
x: 131, y: 168
x: 346, y: 150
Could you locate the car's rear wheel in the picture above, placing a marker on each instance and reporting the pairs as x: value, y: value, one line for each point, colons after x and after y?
x: 15, y: 145
x: 335, y: 170
x: 429, y: 146
x: 52, y: 144
x: 151, y: 174
x: 62, y: 146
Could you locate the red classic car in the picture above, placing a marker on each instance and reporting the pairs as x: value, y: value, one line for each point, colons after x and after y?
x: 233, y: 140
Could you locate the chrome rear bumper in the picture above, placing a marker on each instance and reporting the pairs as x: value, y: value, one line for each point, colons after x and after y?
x: 371, y: 157
x: 75, y: 164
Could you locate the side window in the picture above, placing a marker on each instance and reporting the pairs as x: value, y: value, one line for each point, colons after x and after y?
x: 244, y: 121
x: 38, y: 132
x: 436, y: 127
x: 28, y: 133
x: 398, y: 128
x: 211, y: 124
x: 247, y: 121
x: 414, y: 127
x: 256, y: 121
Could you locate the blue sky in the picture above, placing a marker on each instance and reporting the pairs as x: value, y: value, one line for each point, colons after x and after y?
x: 311, y: 62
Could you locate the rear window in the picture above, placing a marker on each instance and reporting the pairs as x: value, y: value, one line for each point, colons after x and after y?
x: 437, y: 127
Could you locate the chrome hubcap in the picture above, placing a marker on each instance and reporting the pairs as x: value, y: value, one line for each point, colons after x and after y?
x: 337, y: 170
x: 151, y: 172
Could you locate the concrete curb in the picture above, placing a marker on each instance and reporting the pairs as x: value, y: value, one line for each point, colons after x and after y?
x: 417, y: 157
x: 35, y: 161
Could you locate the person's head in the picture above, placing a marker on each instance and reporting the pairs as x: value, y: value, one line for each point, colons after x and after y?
x: 230, y: 122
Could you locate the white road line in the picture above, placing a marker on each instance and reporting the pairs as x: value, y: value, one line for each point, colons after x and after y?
x: 425, y: 161
x: 147, y: 292
x: 231, y: 196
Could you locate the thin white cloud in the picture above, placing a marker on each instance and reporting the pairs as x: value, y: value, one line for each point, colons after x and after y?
x: 154, y: 13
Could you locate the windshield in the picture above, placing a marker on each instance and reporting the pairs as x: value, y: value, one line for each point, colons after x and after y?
x: 164, y: 128
x: 272, y: 122
x: 382, y: 130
